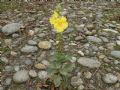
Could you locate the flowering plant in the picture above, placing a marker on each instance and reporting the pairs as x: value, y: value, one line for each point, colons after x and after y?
x: 59, y: 22
x: 60, y: 66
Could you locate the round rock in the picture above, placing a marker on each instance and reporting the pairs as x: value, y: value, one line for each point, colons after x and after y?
x: 29, y: 49
x: 21, y: 76
x: 31, y: 42
x: 11, y: 28
x: 88, y: 62
x: 42, y: 75
x: 44, y: 45
x: 115, y: 54
x: 76, y: 81
x: 110, y: 78
x: 33, y: 73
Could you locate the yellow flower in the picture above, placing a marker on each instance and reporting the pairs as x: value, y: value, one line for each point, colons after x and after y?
x: 60, y: 24
x: 54, y: 17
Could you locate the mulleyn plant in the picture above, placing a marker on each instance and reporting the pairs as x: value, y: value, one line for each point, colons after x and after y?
x: 60, y: 66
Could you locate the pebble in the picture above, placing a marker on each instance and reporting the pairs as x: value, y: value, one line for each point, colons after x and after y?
x: 28, y: 62
x: 21, y: 76
x: 1, y: 88
x: 31, y: 33
x: 116, y: 62
x: 15, y: 35
x: 45, y: 62
x: 104, y: 39
x: 11, y: 28
x: 40, y: 66
x: 13, y: 53
x: 8, y: 42
x: 81, y: 53
x: 118, y: 42
x: 43, y: 75
x: 8, y: 81
x: 90, y: 27
x: 81, y: 87
x: 33, y: 73
x: 88, y: 62
x: 94, y: 39
x: 31, y: 42
x: 4, y: 59
x: 29, y: 49
x: 115, y: 54
x: 78, y: 38
x: 76, y: 81
x: 110, y: 30
x: 73, y: 59
x: 16, y: 68
x: 87, y: 75
x: 110, y: 78
x: 44, y: 44
x: 9, y: 68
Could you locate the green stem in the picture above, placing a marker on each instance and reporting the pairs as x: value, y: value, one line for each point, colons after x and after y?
x: 60, y: 40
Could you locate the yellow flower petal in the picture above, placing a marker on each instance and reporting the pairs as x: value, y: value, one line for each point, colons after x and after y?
x: 60, y: 24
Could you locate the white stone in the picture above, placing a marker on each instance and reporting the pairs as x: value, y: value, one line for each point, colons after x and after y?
x: 81, y: 53
x: 42, y: 75
x: 88, y: 62
x: 11, y: 28
x: 33, y: 73
x: 21, y: 76
x: 110, y: 78
x: 118, y: 42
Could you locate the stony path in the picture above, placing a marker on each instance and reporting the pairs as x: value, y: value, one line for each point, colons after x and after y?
x: 27, y: 43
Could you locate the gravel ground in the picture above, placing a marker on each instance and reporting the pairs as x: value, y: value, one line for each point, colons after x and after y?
x: 27, y: 42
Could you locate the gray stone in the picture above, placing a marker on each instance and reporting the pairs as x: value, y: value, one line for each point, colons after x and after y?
x: 29, y: 49
x: 73, y: 59
x: 81, y: 87
x: 16, y: 68
x: 88, y: 75
x: 118, y: 42
x: 28, y: 62
x: 90, y: 27
x: 78, y: 38
x: 33, y: 73
x: 15, y: 35
x: 21, y: 76
x: 8, y: 81
x: 31, y: 42
x: 94, y: 39
x: 42, y: 75
x: 9, y: 68
x: 110, y: 78
x: 1, y: 88
x: 104, y: 39
x: 110, y: 30
x: 11, y: 28
x: 76, y: 81
x: 69, y: 30
x: 4, y: 59
x: 88, y: 62
x: 115, y: 54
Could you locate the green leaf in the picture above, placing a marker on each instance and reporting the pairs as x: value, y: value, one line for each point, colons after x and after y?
x: 68, y: 67
x: 63, y: 72
x: 51, y: 71
x: 55, y: 65
x: 61, y: 57
x: 57, y: 80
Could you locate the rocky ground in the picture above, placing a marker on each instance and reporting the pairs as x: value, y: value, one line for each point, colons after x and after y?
x: 27, y: 42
